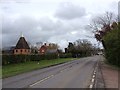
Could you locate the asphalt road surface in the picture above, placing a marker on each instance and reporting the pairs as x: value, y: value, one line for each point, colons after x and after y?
x: 73, y: 74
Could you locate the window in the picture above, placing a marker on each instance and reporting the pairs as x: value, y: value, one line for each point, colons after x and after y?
x: 25, y: 50
x: 21, y: 50
x: 16, y: 50
x: 42, y: 50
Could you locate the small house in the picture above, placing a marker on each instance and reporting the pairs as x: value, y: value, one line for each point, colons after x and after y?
x: 43, y: 49
x: 48, y: 49
x: 22, y: 46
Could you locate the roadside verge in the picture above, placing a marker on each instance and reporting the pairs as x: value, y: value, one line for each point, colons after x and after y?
x: 15, y: 69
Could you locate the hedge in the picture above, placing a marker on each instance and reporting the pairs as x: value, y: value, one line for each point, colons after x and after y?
x: 9, y: 59
x: 66, y: 55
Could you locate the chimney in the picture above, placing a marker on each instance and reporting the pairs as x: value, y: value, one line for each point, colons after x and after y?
x: 45, y: 44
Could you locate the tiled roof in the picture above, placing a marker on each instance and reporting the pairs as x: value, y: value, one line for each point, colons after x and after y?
x: 22, y: 44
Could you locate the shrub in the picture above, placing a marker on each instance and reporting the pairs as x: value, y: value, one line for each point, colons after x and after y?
x: 66, y: 55
x: 51, y: 56
x: 37, y: 57
x: 112, y: 42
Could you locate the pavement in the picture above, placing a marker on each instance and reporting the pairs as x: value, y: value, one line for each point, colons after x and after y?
x: 107, y: 76
x: 73, y: 74
x: 110, y: 75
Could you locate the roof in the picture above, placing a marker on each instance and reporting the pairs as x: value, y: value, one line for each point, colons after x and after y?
x: 43, y: 46
x: 52, y: 50
x: 8, y: 48
x: 22, y: 44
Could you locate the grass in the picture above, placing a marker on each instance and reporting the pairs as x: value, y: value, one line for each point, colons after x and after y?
x: 14, y: 69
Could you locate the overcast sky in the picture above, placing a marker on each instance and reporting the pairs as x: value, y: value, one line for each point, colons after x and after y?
x: 58, y: 21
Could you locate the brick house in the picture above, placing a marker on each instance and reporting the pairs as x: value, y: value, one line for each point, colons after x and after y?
x: 46, y: 49
x: 43, y: 49
x: 22, y: 47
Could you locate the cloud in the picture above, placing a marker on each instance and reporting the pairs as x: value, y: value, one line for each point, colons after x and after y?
x: 119, y: 11
x: 58, y: 22
x: 70, y: 11
x: 43, y: 29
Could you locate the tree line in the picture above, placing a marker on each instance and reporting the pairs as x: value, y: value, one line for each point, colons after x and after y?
x: 81, y: 48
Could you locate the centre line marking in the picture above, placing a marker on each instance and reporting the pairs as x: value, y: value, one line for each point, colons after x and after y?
x: 93, y: 76
x: 61, y: 71
x: 91, y: 86
x: 92, y: 80
x: 41, y: 80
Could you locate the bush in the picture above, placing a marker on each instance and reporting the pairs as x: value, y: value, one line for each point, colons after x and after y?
x: 112, y: 42
x: 9, y: 59
x: 51, y: 56
x: 66, y: 55
x: 35, y: 57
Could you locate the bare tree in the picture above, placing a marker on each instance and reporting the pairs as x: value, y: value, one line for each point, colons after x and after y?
x: 100, y: 21
x: 101, y: 24
x: 53, y: 46
x: 39, y: 44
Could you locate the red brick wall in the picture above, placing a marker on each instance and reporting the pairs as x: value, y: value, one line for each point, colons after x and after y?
x: 22, y: 51
x: 42, y: 50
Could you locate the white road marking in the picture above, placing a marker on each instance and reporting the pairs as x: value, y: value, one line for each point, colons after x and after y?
x: 93, y: 76
x: 92, y: 80
x: 45, y: 78
x: 94, y: 72
x: 61, y: 71
x: 91, y: 86
x: 41, y: 80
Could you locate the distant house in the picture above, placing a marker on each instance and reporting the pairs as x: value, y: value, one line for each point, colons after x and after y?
x: 8, y: 50
x: 22, y: 46
x: 47, y: 49
x: 43, y: 49
x: 52, y: 51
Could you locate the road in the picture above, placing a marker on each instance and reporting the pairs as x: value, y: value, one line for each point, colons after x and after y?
x: 73, y: 74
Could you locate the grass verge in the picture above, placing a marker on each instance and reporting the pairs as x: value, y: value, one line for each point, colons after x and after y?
x: 14, y: 69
